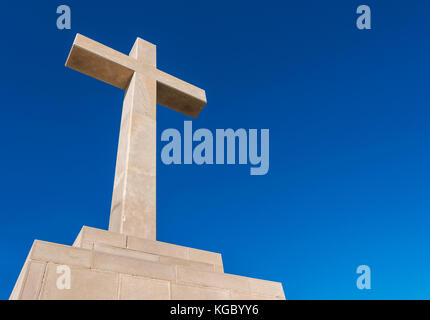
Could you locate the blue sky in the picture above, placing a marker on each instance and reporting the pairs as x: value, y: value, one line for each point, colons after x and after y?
x: 348, y: 111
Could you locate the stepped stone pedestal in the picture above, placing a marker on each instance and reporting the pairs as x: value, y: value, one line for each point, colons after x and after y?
x: 112, y: 266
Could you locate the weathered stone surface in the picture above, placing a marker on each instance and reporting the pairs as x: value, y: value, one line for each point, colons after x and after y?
x: 157, y: 247
x: 133, y: 210
x: 112, y: 242
x: 133, y: 274
x: 125, y: 252
x: 219, y: 268
x: 175, y: 251
x: 132, y: 266
x: 29, y: 281
x: 90, y: 235
x: 266, y: 288
x: 140, y: 288
x: 187, y: 263
x: 87, y: 245
x: 101, y: 62
x: 86, y: 284
x: 188, y: 292
x: 235, y: 283
x: 205, y: 256
x: 211, y: 279
x: 33, y: 281
x: 234, y: 295
x: 52, y: 252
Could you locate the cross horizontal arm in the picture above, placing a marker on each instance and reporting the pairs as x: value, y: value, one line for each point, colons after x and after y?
x: 179, y: 95
x: 103, y: 63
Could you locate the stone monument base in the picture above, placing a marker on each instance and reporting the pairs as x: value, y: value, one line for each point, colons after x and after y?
x: 112, y: 266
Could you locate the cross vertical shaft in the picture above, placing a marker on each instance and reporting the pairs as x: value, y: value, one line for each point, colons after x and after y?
x: 133, y: 208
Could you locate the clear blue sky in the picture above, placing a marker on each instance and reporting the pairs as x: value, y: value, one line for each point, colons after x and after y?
x: 348, y: 113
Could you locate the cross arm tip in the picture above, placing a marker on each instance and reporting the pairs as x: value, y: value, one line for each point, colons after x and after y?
x: 101, y: 62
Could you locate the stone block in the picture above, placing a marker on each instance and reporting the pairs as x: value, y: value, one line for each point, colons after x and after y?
x: 247, y: 296
x: 51, y: 252
x: 175, y: 251
x: 188, y: 292
x: 218, y: 268
x: 29, y: 282
x: 205, y: 256
x: 133, y: 266
x: 187, y: 263
x: 90, y: 235
x: 266, y: 288
x: 33, y: 281
x: 140, y: 288
x: 125, y: 252
x: 86, y: 284
x: 212, y: 279
x: 101, y: 62
x: 157, y: 247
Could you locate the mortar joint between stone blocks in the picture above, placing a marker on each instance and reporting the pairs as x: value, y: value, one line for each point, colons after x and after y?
x: 43, y: 281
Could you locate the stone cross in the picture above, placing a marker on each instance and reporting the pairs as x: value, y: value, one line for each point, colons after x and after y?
x: 133, y: 210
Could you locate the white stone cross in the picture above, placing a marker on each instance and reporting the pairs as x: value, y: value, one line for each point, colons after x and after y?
x: 133, y: 210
